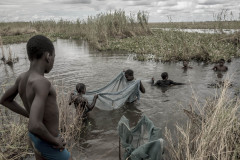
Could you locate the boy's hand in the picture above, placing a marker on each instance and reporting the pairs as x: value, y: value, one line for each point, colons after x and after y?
x: 61, y: 143
x: 153, y: 78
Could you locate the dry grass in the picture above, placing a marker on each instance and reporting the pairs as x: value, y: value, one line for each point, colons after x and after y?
x: 97, y: 30
x: 12, y: 58
x: 213, y: 132
x: 14, y: 143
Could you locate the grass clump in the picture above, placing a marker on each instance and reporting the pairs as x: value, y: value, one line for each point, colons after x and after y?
x: 11, y: 57
x: 176, y: 45
x: 212, y: 133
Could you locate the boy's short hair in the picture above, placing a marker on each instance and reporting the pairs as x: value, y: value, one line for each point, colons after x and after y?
x: 222, y: 60
x: 164, y: 75
x: 129, y: 72
x: 80, y: 87
x: 37, y: 45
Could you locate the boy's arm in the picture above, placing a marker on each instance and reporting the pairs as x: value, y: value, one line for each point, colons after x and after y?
x: 70, y: 98
x: 142, y: 89
x: 215, y: 67
x: 176, y: 83
x: 7, y: 100
x: 153, y: 82
x: 91, y: 106
x: 35, y: 125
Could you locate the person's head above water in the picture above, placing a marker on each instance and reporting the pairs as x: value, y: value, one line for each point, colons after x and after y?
x: 221, y: 62
x: 41, y: 49
x: 81, y: 88
x: 185, y: 64
x: 164, y: 75
x: 129, y: 74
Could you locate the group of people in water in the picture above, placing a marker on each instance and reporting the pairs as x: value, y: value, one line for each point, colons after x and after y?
x: 39, y: 99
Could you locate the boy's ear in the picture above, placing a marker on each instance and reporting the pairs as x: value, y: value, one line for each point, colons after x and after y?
x: 47, y: 55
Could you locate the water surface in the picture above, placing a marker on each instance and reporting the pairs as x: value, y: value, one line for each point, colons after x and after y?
x: 75, y: 62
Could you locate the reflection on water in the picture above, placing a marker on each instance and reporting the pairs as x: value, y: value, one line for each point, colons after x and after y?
x: 211, y: 31
x: 75, y: 63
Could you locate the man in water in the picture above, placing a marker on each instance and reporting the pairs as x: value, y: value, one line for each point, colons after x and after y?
x: 129, y: 74
x: 220, y: 66
x: 165, y: 82
x: 39, y: 99
x: 81, y: 104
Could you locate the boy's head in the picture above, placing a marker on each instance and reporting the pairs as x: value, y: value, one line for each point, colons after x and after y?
x: 164, y: 75
x: 81, y: 88
x: 129, y: 75
x: 221, y: 62
x: 41, y: 48
x: 185, y: 63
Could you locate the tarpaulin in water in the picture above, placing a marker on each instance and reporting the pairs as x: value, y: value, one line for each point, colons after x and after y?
x: 143, y: 142
x: 115, y: 93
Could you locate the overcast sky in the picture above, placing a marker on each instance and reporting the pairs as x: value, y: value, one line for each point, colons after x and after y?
x: 159, y: 10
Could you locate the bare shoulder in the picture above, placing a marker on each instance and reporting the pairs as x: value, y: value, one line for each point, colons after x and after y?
x: 40, y: 82
x: 21, y: 76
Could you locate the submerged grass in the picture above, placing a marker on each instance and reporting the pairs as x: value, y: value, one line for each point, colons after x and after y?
x: 14, y: 141
x: 212, y: 133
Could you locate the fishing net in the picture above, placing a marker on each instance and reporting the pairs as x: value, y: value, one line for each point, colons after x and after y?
x: 143, y: 142
x: 115, y: 93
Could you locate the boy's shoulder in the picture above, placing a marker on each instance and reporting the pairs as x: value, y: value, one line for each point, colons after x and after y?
x: 39, y: 81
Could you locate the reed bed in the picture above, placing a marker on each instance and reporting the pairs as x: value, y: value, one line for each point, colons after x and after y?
x: 131, y: 33
x: 97, y: 30
x: 176, y: 46
x: 14, y: 141
x: 212, y: 132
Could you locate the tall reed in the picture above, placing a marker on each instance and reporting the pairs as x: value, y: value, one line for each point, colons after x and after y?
x: 212, y: 133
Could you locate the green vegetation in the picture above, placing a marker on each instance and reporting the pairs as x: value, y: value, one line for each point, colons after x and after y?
x: 117, y: 31
x: 96, y: 30
x: 176, y: 45
x: 212, y: 132
x: 218, y: 25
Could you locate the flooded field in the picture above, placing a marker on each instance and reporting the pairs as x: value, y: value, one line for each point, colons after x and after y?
x: 211, y: 31
x: 75, y: 62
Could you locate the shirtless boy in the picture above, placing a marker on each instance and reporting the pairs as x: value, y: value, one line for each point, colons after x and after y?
x: 220, y: 66
x: 81, y: 103
x: 165, y: 82
x: 186, y: 66
x: 39, y: 99
x: 129, y: 74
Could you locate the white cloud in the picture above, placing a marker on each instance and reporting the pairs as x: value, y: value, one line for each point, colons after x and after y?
x: 159, y: 10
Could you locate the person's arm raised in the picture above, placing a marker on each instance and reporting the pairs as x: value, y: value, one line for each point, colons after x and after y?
x: 41, y: 88
x: 91, y: 106
x: 7, y: 100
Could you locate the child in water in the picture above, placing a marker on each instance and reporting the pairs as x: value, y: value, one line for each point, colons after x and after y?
x: 129, y: 74
x: 186, y: 66
x: 81, y: 103
x: 220, y: 66
x: 165, y: 82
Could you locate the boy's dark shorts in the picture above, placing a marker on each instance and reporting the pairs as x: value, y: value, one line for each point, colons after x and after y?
x: 46, y: 150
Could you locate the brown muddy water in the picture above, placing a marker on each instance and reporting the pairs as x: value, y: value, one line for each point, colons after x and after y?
x: 75, y: 62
